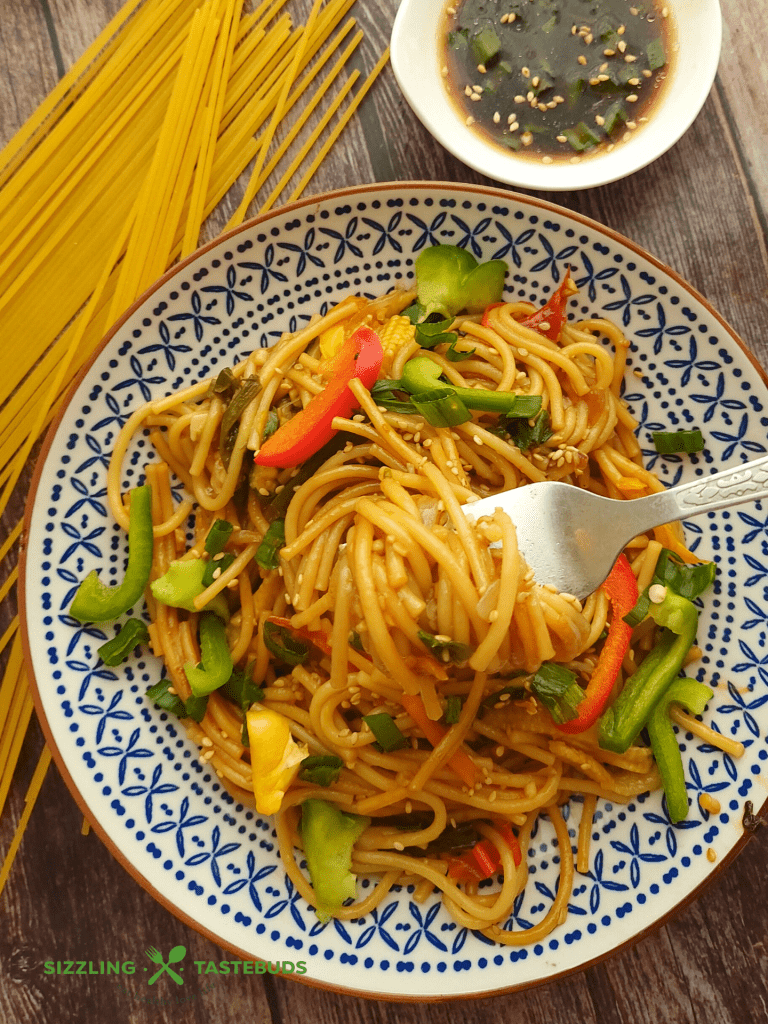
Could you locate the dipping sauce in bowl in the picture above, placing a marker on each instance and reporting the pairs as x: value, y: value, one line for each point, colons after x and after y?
x: 556, y: 79
x: 682, y: 62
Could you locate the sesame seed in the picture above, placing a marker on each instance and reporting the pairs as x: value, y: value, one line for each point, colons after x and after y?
x: 504, y: 19
x: 525, y: 72
x: 630, y: 58
x: 609, y: 53
x: 631, y: 125
x: 602, y: 78
x: 589, y: 38
x: 535, y: 81
x: 546, y: 159
x: 647, y: 73
x: 470, y: 120
x: 475, y: 97
x: 496, y: 117
x: 562, y: 138
x: 582, y: 59
x: 622, y: 45
x: 599, y: 119
x: 575, y: 160
x: 632, y: 98
x: 633, y: 81
x: 511, y: 17
x: 399, y: 847
x: 481, y: 68
x: 530, y: 96
x: 467, y: 90
x: 519, y: 98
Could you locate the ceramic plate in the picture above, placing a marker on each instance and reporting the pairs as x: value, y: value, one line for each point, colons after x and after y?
x: 164, y: 814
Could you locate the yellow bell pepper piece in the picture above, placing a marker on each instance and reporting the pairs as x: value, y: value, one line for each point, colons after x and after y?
x: 275, y: 756
x: 331, y: 341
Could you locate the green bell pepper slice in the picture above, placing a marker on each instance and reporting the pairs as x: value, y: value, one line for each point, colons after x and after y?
x: 182, y: 583
x: 96, y: 601
x: 216, y: 665
x: 328, y: 835
x: 421, y: 375
x: 693, y: 696
x: 449, y: 280
x: 621, y: 723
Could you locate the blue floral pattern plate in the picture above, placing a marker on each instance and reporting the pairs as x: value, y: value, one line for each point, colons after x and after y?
x: 164, y: 813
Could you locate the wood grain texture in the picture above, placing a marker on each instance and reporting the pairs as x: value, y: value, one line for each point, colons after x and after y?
x: 702, y: 209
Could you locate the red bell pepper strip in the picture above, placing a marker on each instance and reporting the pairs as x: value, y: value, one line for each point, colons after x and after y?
x: 312, y: 636
x: 493, y: 305
x: 483, y: 860
x: 621, y: 587
x: 552, y: 314
x: 460, y: 761
x: 305, y: 433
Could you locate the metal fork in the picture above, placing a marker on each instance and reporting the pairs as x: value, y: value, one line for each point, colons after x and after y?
x: 571, y: 537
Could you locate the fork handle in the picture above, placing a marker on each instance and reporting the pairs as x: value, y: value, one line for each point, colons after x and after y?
x: 748, y: 482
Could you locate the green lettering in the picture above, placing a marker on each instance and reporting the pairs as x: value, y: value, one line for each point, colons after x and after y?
x: 248, y: 967
x: 113, y: 968
x: 199, y: 964
x: 224, y: 967
x: 276, y: 966
x: 68, y: 965
x: 211, y: 968
x: 129, y: 967
x: 288, y: 967
x: 260, y: 967
x: 301, y: 967
x: 49, y: 967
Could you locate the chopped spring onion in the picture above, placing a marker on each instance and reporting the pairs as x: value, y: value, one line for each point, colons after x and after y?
x: 159, y: 695
x: 284, y: 644
x: 241, y: 689
x: 321, y: 769
x: 218, y: 535
x: 452, y: 709
x: 221, y: 561
x: 556, y: 687
x: 441, y: 407
x: 485, y: 46
x: 654, y: 51
x: 581, y: 137
x: 267, y: 554
x: 116, y: 650
x: 387, y: 734
x: 673, y: 442
x: 446, y: 650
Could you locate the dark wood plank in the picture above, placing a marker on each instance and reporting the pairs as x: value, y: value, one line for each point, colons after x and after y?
x: 703, y: 210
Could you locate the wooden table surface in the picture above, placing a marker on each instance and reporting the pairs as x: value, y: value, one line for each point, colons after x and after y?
x: 702, y: 209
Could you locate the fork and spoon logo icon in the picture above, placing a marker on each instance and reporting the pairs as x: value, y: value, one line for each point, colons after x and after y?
x: 176, y: 954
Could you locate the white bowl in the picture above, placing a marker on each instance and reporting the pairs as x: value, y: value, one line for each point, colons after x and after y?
x: 416, y: 61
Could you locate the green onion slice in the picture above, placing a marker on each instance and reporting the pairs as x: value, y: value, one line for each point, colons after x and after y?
x: 387, y: 734
x: 674, y: 442
x: 321, y: 769
x: 116, y: 650
x: 284, y: 644
x: 267, y: 554
x: 441, y: 407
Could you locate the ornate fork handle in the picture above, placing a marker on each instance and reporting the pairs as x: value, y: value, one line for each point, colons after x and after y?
x: 748, y: 482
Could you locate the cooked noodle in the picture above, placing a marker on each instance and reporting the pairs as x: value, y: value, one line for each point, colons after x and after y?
x: 377, y: 547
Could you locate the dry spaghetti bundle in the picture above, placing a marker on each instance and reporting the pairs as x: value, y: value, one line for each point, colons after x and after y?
x: 380, y: 600
x: 112, y: 180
